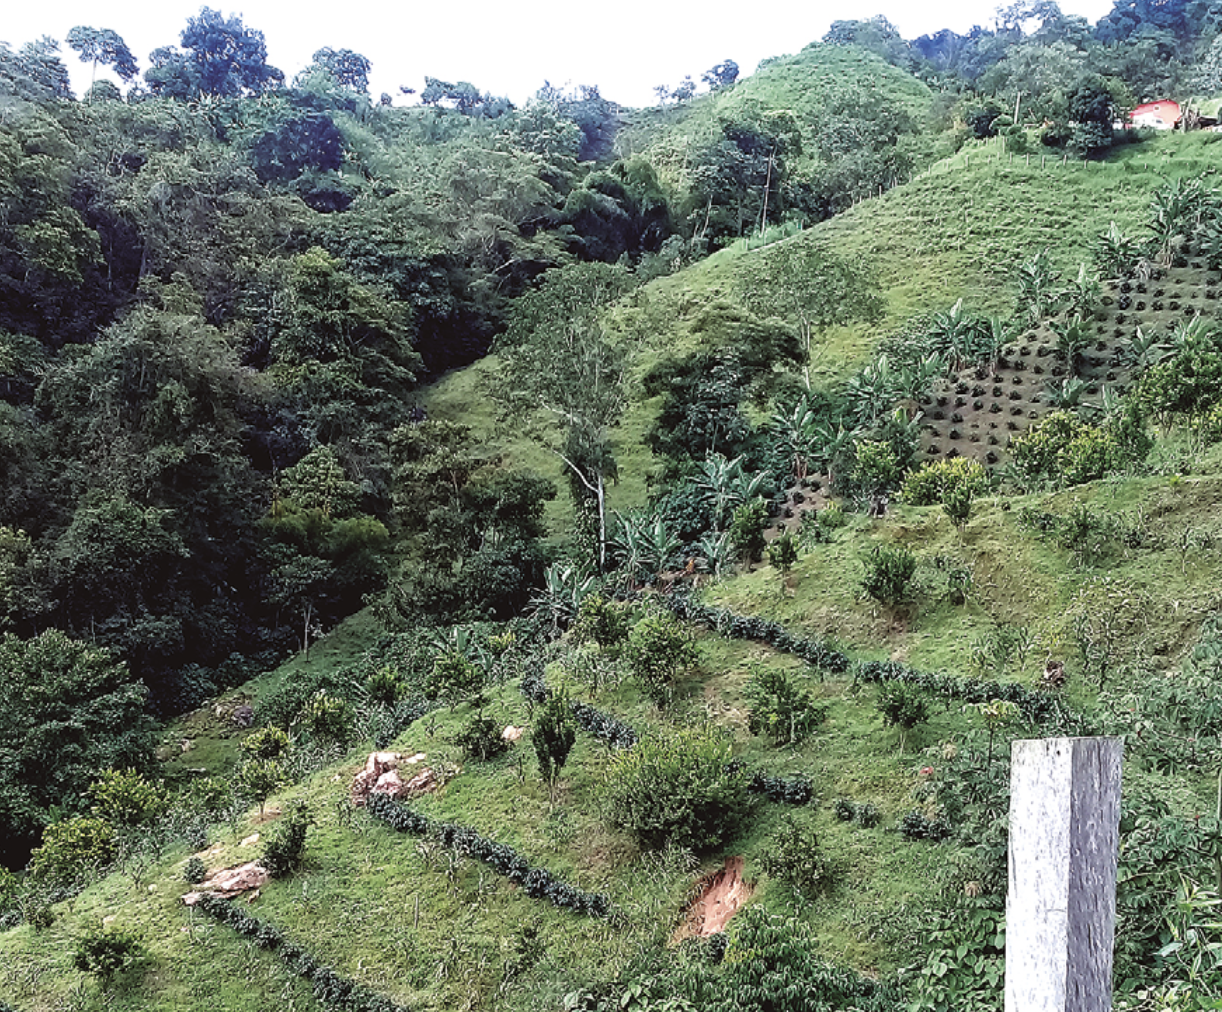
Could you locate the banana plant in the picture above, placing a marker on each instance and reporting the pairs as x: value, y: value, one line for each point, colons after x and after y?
x: 717, y: 552
x: 565, y: 586
x: 646, y: 545
x: 1037, y: 291
x: 1067, y: 394
x: 724, y: 486
x: 1114, y: 253
x: 1073, y: 337
x: 1083, y: 294
x: 794, y: 432
x: 1145, y: 350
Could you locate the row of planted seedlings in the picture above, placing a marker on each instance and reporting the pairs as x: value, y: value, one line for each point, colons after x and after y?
x: 334, y: 990
x: 617, y: 735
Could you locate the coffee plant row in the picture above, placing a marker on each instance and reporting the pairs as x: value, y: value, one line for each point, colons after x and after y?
x: 748, y: 627
x: 611, y: 730
x: 794, y: 791
x: 1036, y: 707
x: 501, y: 858
x: 334, y: 991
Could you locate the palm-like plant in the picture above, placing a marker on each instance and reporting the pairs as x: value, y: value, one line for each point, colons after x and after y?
x: 1114, y: 253
x: 794, y: 431
x: 1083, y: 294
x: 565, y: 586
x: 1037, y: 292
x: 1073, y: 337
x: 725, y: 485
x: 1175, y: 212
x: 1145, y: 350
x: 717, y: 551
x: 1067, y: 394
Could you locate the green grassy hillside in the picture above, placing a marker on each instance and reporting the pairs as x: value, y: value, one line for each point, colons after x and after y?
x: 1115, y: 579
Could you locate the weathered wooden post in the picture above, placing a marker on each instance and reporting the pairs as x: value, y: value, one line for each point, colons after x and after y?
x: 1061, y: 904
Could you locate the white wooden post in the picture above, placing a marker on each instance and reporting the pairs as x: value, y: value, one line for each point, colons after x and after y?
x: 1061, y: 904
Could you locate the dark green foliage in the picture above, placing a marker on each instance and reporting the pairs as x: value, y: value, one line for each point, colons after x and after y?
x: 659, y: 651
x: 784, y: 791
x: 917, y: 826
x: 793, y: 854
x: 783, y: 552
x: 844, y: 809
x: 604, y: 622
x: 480, y: 738
x: 902, y: 706
x: 503, y: 859
x: 678, y: 786
x: 614, y: 732
x: 816, y: 653
x: 1037, y: 707
x: 107, y: 953
x: 888, y: 573
x: 779, y: 708
x: 334, y: 991
x: 285, y: 846
x: 553, y: 734
x: 194, y: 871
x: 71, y: 711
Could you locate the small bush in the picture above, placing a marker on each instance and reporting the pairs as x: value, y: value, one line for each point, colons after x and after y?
x: 126, y: 798
x: 553, y: 736
x: 916, y: 826
x: 73, y: 850
x: 453, y: 678
x: 268, y: 742
x: 888, y: 573
x: 747, y: 529
x: 386, y: 685
x: 604, y: 622
x: 868, y: 815
x: 107, y: 953
x: 194, y: 871
x: 659, y: 650
x: 902, y: 706
x: 844, y: 809
x: 327, y: 718
x: 282, y: 854
x: 678, y: 786
x: 480, y: 738
x: 779, y: 709
x: 933, y: 482
x: 794, y: 856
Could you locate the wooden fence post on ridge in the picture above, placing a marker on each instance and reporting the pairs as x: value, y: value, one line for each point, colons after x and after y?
x: 1061, y: 902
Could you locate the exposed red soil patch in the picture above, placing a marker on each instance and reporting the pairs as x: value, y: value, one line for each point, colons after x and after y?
x: 718, y: 899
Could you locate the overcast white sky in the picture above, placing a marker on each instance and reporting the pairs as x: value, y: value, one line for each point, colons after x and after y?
x: 503, y: 47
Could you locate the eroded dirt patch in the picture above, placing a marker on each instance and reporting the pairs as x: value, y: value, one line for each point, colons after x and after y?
x: 718, y: 898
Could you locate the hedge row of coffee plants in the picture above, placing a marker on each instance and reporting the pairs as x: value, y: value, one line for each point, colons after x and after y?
x: 501, y: 858
x: 612, y: 730
x: 333, y: 990
x: 1036, y: 707
x: 618, y: 735
x: 748, y: 627
x: 792, y: 791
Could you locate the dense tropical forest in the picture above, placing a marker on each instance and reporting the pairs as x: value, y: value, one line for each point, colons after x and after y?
x: 516, y: 538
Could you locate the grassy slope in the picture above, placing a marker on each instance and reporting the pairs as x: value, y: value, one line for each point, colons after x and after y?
x: 355, y: 903
x: 798, y: 84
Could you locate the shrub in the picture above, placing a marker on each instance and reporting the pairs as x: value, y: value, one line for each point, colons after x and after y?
x: 916, y: 826
x: 194, y: 871
x: 126, y: 798
x: 1061, y: 448
x: 480, y: 738
x: 604, y: 622
x: 888, y: 573
x: 902, y: 706
x: 779, y: 709
x: 269, y: 742
x: 386, y: 685
x: 678, y: 786
x: 783, y: 553
x: 73, y: 849
x: 868, y: 815
x: 659, y: 650
x: 285, y: 845
x: 934, y: 481
x: 747, y: 529
x: 553, y: 735
x: 259, y: 778
x: 454, y: 678
x: 877, y: 468
x: 327, y: 718
x: 793, y: 855
x: 844, y: 809
x: 107, y: 953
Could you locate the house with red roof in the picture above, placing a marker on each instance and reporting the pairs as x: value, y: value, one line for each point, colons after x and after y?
x: 1161, y: 115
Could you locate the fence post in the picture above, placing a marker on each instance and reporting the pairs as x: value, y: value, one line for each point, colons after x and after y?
x: 1061, y: 903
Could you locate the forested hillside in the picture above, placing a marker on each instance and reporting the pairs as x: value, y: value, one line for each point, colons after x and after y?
x: 683, y: 500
